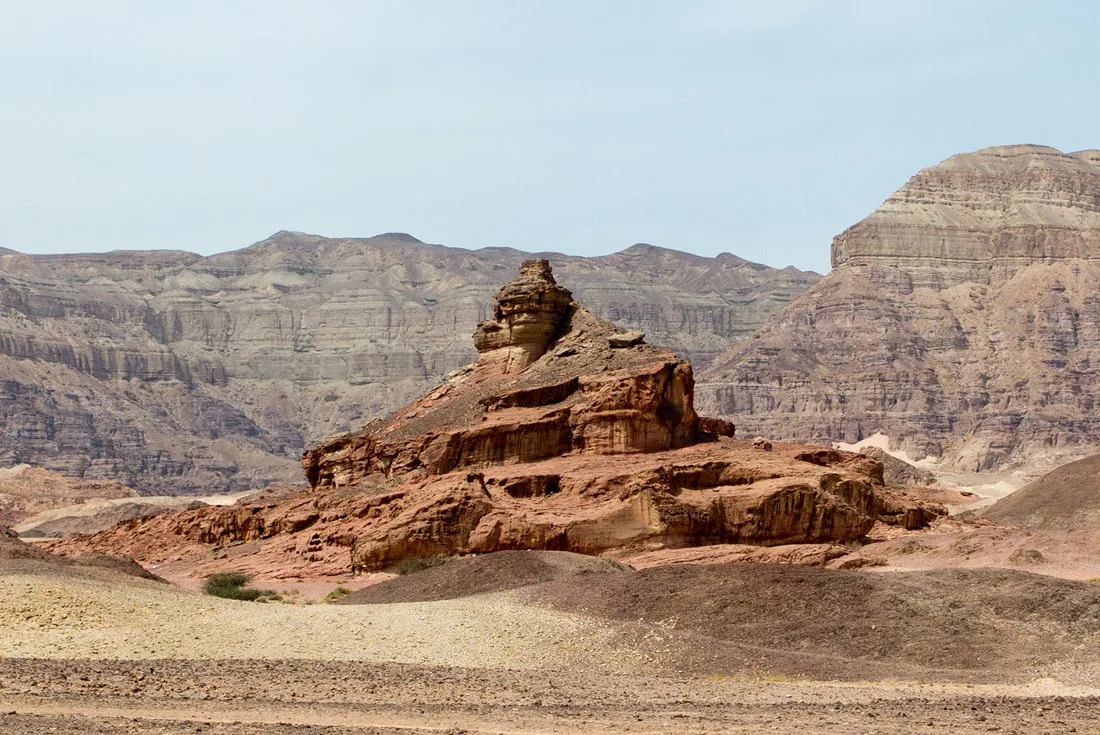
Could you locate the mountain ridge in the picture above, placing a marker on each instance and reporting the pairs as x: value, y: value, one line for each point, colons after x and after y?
x: 960, y: 319
x: 176, y: 372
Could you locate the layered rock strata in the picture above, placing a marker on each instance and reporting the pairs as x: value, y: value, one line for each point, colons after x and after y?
x: 983, y: 217
x: 961, y: 319
x: 591, y: 447
x: 176, y: 373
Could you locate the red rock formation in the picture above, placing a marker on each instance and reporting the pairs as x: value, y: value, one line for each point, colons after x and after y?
x: 565, y: 435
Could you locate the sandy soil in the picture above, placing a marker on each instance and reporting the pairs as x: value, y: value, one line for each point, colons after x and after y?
x: 284, y: 697
x: 586, y: 646
x: 93, y: 616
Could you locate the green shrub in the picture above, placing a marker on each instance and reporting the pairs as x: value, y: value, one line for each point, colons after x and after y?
x: 418, y: 564
x: 231, y: 586
x: 337, y: 593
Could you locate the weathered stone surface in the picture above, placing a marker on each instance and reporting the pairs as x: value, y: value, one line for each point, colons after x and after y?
x: 583, y: 396
x: 177, y: 373
x: 626, y: 339
x: 589, y: 449
x: 898, y: 508
x: 961, y: 319
x: 528, y: 314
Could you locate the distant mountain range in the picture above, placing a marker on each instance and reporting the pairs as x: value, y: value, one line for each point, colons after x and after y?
x: 177, y: 373
x: 961, y: 318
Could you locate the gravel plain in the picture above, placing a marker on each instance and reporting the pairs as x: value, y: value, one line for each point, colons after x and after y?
x: 95, y: 651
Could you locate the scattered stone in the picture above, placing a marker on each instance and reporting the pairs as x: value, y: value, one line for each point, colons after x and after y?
x: 626, y: 339
x: 761, y: 443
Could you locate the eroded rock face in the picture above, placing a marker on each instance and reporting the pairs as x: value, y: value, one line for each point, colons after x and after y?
x: 590, y: 448
x: 176, y: 373
x: 961, y: 319
x: 983, y: 217
x: 528, y: 314
x: 521, y: 403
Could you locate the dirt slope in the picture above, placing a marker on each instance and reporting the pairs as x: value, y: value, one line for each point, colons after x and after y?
x: 17, y: 556
x: 475, y: 575
x: 1067, y: 499
x: 974, y: 624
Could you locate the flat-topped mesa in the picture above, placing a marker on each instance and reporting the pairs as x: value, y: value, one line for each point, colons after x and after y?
x: 552, y: 379
x: 527, y: 315
x: 982, y: 217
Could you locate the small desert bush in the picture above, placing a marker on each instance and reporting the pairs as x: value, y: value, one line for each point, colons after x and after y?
x: 337, y: 593
x: 418, y: 564
x: 231, y: 586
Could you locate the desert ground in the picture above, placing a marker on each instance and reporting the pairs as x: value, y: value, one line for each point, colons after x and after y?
x: 545, y: 642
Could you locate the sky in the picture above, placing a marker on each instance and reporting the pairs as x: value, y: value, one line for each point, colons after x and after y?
x: 757, y: 128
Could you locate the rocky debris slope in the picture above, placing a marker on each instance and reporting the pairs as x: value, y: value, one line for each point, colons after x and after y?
x: 1067, y: 499
x: 27, y: 491
x: 176, y: 373
x: 12, y: 548
x: 961, y: 319
x: 562, y: 436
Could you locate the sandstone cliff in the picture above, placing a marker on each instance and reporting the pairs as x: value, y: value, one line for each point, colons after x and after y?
x: 961, y: 319
x: 176, y: 373
x: 566, y: 434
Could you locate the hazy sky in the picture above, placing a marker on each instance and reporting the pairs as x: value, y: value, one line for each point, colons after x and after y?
x: 759, y: 128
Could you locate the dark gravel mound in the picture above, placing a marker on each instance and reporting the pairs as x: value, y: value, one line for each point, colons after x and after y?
x: 12, y: 548
x: 121, y: 564
x: 20, y: 556
x: 1066, y: 499
x: 475, y: 575
x: 980, y: 624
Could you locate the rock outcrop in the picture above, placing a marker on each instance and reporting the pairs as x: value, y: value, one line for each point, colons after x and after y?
x: 588, y: 447
x: 176, y: 373
x: 897, y: 472
x: 961, y: 319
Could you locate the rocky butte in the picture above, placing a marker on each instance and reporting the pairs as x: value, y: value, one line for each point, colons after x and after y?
x: 961, y: 318
x: 176, y: 373
x: 567, y: 433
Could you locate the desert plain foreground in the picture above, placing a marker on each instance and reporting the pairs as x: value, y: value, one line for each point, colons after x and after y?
x: 583, y: 645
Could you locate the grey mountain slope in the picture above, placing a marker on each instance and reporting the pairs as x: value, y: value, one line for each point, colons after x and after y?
x: 961, y: 318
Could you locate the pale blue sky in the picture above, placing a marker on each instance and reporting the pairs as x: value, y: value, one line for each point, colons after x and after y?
x: 758, y: 128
